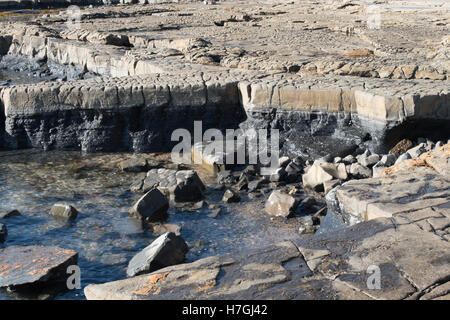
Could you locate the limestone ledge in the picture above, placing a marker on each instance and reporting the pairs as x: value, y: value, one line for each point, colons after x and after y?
x: 389, y: 102
x: 411, y: 186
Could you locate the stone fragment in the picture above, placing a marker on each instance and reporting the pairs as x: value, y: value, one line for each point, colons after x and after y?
x: 254, y: 185
x: 401, y: 147
x: 359, y: 171
x: 403, y: 157
x: 349, y: 159
x: 280, y: 204
x: 230, y: 196
x: 417, y: 150
x: 64, y: 211
x: 307, y: 225
x: 317, y: 174
x: 225, y: 177
x: 329, y: 185
x: 152, y: 206
x: 167, y: 250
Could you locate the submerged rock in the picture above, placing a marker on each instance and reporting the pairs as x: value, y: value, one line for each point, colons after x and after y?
x: 34, y: 265
x: 64, y: 211
x: 167, y: 250
x: 3, y: 232
x: 152, y: 206
x: 134, y: 165
x: 280, y: 204
x: 9, y: 214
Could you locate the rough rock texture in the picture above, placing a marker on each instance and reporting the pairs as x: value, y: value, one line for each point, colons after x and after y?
x: 413, y: 185
x: 280, y: 204
x: 327, y: 81
x: 331, y: 266
x: 180, y: 186
x: 152, y: 206
x: 167, y: 250
x: 34, y: 265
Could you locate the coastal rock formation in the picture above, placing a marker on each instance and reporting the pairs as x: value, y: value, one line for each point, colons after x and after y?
x: 331, y: 266
x: 414, y: 185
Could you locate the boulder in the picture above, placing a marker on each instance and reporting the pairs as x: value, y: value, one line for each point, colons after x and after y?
x: 403, y: 157
x: 188, y: 187
x: 401, y: 147
x: 417, y: 150
x: 369, y: 161
x: 180, y: 186
x: 9, y: 214
x: 64, y: 211
x: 167, y: 250
x: 349, y: 159
x: 359, y: 171
x: 32, y: 265
x: 3, y: 232
x: 280, y: 204
x: 152, y: 206
x: 319, y: 173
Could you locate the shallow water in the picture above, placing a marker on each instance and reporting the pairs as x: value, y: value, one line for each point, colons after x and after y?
x: 104, y: 235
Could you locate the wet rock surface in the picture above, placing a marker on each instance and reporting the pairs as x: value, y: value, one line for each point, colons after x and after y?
x: 34, y: 265
x: 332, y: 266
x: 341, y: 93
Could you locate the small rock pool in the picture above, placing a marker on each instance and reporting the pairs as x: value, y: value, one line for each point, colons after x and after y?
x: 104, y: 234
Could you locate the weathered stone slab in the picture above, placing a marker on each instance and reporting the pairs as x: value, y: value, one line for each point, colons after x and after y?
x: 34, y: 265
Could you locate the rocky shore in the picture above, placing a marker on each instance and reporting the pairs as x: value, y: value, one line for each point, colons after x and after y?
x: 361, y: 185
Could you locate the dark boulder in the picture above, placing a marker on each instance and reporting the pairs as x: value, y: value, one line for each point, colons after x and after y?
x: 167, y: 250
x: 152, y: 206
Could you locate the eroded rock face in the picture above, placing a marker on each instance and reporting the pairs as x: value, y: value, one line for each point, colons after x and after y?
x: 166, y: 250
x: 34, y: 265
